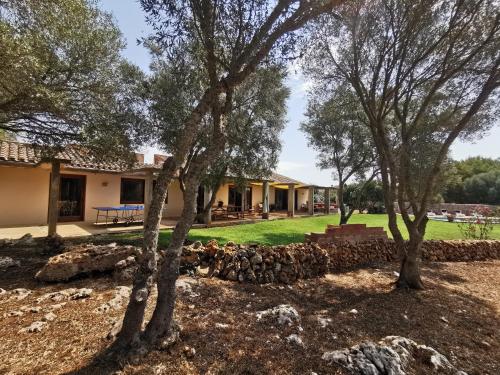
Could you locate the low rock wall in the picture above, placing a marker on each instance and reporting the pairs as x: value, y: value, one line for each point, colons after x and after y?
x: 265, y: 264
x: 348, y: 255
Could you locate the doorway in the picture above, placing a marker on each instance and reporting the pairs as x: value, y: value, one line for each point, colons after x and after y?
x: 234, y: 198
x: 281, y: 199
x: 72, y: 198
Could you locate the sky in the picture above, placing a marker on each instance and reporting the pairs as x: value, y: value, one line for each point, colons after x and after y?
x: 297, y: 160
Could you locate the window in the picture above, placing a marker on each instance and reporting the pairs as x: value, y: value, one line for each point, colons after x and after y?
x: 132, y: 191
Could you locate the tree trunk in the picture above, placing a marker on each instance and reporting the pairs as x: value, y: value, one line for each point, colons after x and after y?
x: 340, y: 200
x: 160, y: 323
x: 409, y: 275
x: 144, y: 280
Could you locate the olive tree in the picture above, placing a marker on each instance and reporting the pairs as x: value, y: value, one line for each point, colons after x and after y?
x: 425, y: 74
x: 62, y: 78
x: 336, y: 129
x: 226, y: 41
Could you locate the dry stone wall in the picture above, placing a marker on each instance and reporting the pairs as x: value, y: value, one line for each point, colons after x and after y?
x: 264, y: 264
x: 346, y: 255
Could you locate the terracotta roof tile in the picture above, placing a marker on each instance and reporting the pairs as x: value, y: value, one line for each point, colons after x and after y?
x: 78, y: 157
x: 279, y: 178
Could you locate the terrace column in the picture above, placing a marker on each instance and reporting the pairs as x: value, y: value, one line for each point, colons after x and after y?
x: 327, y: 201
x: 311, y: 200
x: 291, y: 200
x: 243, y: 199
x: 55, y: 184
x: 265, y: 200
x: 207, y: 195
x: 148, y: 193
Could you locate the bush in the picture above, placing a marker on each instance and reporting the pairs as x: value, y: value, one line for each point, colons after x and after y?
x: 481, y: 227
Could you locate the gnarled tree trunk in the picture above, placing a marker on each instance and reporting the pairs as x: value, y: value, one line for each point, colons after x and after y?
x: 144, y: 280
x: 160, y: 323
x: 409, y: 274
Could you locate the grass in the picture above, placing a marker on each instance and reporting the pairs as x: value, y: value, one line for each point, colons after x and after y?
x: 277, y: 232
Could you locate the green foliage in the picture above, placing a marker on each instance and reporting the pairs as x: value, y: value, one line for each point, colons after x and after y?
x: 478, y: 174
x: 367, y: 196
x: 483, y: 188
x: 62, y: 78
x: 336, y: 129
x: 481, y: 227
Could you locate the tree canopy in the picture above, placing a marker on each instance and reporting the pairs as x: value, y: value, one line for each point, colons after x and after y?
x: 425, y: 73
x: 62, y: 78
x: 336, y: 129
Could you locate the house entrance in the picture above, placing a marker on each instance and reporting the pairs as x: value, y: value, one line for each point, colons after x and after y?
x: 71, y: 203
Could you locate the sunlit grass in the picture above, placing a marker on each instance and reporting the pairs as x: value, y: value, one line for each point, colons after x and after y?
x: 286, y: 231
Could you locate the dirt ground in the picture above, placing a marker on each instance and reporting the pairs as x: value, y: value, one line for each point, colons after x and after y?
x: 458, y: 315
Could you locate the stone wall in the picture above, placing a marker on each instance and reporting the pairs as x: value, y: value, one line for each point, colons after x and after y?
x: 348, y: 255
x: 263, y: 264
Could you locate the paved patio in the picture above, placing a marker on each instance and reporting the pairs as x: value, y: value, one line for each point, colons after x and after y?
x: 82, y: 229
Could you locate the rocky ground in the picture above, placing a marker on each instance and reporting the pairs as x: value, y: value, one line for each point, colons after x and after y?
x: 233, y: 328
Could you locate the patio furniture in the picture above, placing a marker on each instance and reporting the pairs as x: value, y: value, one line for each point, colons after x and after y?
x: 219, y: 212
x: 235, y: 211
x: 127, y: 214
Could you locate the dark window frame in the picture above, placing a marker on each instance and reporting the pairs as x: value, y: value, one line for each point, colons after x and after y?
x: 136, y: 180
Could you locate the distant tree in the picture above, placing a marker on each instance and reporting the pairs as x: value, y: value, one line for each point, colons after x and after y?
x: 425, y: 73
x: 61, y: 74
x: 457, y: 172
x: 336, y: 129
x: 365, y: 195
x: 483, y: 188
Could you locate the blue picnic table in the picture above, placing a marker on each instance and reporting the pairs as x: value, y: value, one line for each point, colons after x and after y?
x: 126, y: 214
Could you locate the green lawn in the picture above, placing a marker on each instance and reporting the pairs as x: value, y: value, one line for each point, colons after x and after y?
x: 292, y: 230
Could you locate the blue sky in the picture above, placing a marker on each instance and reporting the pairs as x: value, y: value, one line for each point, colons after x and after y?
x: 297, y: 160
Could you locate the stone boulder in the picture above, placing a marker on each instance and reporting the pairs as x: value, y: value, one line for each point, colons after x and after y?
x: 85, y: 259
x: 393, y: 355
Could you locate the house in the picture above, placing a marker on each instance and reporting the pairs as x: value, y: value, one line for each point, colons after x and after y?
x: 83, y: 182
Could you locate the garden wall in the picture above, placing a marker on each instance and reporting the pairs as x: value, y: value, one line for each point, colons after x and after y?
x: 347, y: 255
x: 264, y: 264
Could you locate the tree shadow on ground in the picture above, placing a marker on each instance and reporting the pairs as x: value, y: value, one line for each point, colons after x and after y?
x: 229, y: 339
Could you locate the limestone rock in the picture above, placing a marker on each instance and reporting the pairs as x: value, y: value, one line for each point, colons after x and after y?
x: 122, y: 293
x: 295, y: 339
x: 49, y: 317
x: 282, y: 314
x: 392, y: 355
x: 185, y: 286
x: 34, y: 327
x: 83, y: 260
x: 20, y: 293
x: 7, y: 262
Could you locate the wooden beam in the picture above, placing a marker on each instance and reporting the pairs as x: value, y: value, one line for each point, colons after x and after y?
x: 327, y: 201
x: 148, y: 193
x: 291, y: 200
x: 311, y: 200
x: 207, y: 195
x: 265, y: 200
x: 55, y: 183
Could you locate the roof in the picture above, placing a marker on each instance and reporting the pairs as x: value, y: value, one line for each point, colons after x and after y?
x: 79, y: 157
x: 74, y: 156
x: 280, y: 179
